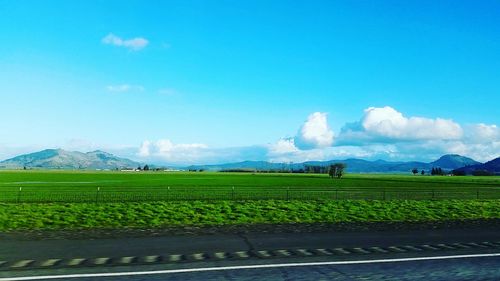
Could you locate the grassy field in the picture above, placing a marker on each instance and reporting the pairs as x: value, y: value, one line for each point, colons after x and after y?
x: 87, y: 186
x: 197, y: 213
x: 67, y: 200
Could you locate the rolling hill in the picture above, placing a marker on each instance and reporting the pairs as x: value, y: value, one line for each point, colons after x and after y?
x: 453, y: 161
x: 62, y: 159
x: 492, y: 167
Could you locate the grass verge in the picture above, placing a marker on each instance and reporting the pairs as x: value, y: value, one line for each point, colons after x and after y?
x: 58, y: 216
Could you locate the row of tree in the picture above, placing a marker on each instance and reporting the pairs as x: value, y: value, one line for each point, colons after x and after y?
x: 440, y: 172
x: 434, y: 171
x: 334, y: 170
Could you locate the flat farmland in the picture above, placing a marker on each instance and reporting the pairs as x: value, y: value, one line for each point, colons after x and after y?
x: 47, y: 200
x: 101, y: 186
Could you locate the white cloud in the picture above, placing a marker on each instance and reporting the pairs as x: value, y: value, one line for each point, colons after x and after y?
x: 482, y: 133
x: 315, y: 132
x: 122, y: 88
x: 387, y: 124
x: 328, y: 153
x: 133, y: 44
x: 283, y: 146
x: 167, y: 151
x: 145, y: 149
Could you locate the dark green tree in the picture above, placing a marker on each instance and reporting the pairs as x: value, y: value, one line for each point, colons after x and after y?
x: 336, y: 170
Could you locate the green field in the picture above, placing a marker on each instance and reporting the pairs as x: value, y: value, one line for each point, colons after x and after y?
x: 69, y: 186
x: 82, y: 200
x: 197, y: 213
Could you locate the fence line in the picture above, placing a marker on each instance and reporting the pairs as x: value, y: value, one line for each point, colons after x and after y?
x: 103, y: 195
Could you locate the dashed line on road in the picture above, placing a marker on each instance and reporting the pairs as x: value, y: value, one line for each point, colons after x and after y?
x: 239, y: 255
x: 241, y: 267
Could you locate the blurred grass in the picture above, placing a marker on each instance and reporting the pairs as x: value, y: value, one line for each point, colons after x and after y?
x: 201, y: 213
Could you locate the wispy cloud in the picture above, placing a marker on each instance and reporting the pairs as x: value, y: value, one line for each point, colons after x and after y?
x: 134, y: 44
x: 123, y: 88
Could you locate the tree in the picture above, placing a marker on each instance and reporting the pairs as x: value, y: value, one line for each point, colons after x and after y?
x: 336, y: 170
x: 423, y: 172
x: 146, y: 168
x: 414, y: 171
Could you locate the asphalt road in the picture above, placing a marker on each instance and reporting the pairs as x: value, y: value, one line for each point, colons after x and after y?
x: 454, y: 269
x: 25, y: 257
x: 17, y: 249
x: 449, y: 268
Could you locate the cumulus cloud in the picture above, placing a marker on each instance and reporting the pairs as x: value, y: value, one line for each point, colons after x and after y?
x: 315, y: 132
x: 283, y: 146
x: 388, y: 124
x: 168, y: 151
x: 284, y: 151
x: 384, y: 132
x: 133, y: 44
x: 482, y: 133
x: 123, y: 88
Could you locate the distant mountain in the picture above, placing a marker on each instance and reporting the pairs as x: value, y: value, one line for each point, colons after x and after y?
x: 492, y: 167
x: 446, y: 162
x: 453, y: 161
x: 62, y: 159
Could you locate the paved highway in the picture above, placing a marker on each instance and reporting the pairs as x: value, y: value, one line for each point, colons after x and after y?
x: 328, y: 251
x: 465, y: 267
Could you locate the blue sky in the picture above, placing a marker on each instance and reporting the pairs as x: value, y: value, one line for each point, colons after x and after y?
x: 214, y: 81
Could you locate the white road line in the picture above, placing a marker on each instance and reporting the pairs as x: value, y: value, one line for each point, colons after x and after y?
x: 238, y: 267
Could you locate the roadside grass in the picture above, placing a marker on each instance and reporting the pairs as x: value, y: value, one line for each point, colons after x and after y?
x: 58, y: 216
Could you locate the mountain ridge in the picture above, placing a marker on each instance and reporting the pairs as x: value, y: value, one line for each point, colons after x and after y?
x: 354, y: 165
x: 98, y: 159
x: 491, y: 167
x: 63, y: 159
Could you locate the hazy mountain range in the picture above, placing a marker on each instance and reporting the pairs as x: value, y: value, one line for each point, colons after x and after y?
x: 446, y: 162
x: 62, y: 159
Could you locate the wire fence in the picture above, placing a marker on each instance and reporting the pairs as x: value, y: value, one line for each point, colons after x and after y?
x: 112, y: 195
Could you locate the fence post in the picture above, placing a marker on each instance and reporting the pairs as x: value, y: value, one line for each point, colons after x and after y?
x: 288, y: 193
x: 433, y: 195
x: 232, y: 194
x: 19, y: 195
x: 477, y: 193
x: 97, y: 195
